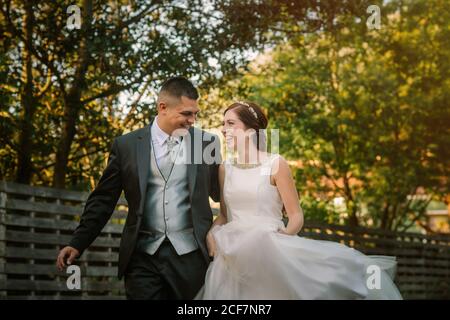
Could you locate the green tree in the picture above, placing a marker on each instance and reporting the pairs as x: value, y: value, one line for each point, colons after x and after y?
x: 365, y: 111
x: 65, y: 85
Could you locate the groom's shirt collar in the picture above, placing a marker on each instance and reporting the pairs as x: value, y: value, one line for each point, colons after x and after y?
x: 159, y: 135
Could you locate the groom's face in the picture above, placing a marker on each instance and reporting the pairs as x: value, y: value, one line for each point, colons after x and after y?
x: 180, y: 114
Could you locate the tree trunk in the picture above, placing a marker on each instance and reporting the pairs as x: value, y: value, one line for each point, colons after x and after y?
x: 392, y: 216
x: 72, y: 103
x: 28, y: 101
x: 384, y: 218
x: 71, y: 111
x: 351, y: 206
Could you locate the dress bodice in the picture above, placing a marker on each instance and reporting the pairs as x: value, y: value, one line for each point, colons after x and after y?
x: 248, y: 192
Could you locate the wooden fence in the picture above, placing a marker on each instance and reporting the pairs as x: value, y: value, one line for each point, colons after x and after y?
x: 36, y: 222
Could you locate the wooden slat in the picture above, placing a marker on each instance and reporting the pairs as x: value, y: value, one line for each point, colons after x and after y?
x: 378, y: 232
x: 45, y: 238
x: 51, y: 208
x: 441, y: 273
x: 66, y: 225
x: 412, y: 286
x: 425, y: 279
x: 42, y: 207
x: 445, y: 264
x: 42, y: 285
x: 3, y: 197
x: 66, y: 297
x: 378, y: 242
x: 45, y: 192
x: 51, y: 270
x: 414, y: 296
x: 46, y: 254
x: 403, y: 252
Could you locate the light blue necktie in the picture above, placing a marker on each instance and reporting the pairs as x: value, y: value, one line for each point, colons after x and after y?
x: 168, y: 159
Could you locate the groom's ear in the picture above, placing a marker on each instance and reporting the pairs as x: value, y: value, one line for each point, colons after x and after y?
x: 161, y: 106
x: 165, y: 101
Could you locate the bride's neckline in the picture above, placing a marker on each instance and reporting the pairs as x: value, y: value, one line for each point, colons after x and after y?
x: 246, y: 165
x: 249, y: 165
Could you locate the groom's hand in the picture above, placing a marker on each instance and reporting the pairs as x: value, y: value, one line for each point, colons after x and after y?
x: 68, y: 253
x: 210, y: 244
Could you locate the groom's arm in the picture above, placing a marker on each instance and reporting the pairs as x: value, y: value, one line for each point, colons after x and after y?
x: 214, y: 191
x: 100, y: 203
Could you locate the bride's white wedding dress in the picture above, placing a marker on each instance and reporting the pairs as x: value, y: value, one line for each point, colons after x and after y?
x: 254, y: 261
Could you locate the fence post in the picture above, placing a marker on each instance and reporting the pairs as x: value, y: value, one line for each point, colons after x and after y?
x: 2, y: 245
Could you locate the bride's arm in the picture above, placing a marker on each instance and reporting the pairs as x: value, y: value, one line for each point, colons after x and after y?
x: 221, y: 218
x: 288, y: 192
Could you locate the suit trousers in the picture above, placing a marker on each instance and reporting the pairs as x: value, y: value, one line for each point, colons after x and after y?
x: 165, y: 275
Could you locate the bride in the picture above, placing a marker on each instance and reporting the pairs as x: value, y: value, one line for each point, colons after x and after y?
x: 255, y: 255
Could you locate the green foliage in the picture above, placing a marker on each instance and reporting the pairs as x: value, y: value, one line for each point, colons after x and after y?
x: 63, y: 90
x: 365, y: 111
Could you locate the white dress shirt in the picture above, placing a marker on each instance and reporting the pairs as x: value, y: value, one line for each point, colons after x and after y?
x: 159, y: 138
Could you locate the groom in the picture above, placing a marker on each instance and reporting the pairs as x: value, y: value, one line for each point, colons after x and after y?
x: 162, y: 251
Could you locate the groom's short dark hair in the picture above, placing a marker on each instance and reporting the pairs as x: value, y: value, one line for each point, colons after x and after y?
x: 178, y: 87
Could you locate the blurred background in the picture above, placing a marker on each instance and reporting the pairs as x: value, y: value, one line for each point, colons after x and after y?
x: 359, y: 91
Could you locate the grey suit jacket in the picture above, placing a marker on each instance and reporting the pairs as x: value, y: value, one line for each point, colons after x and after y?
x: 127, y: 169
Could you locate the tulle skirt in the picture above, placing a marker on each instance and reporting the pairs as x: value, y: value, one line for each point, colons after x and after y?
x: 253, y: 261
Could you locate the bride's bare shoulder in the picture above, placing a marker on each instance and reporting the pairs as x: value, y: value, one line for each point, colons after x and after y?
x: 280, y: 166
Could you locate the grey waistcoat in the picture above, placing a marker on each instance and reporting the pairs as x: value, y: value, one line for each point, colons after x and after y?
x: 167, y: 210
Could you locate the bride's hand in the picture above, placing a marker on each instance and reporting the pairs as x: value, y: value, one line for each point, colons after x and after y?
x: 211, y: 244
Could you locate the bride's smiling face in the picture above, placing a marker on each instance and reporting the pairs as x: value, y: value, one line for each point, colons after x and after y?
x: 233, y: 129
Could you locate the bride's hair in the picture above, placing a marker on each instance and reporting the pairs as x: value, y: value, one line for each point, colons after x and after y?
x: 253, y: 117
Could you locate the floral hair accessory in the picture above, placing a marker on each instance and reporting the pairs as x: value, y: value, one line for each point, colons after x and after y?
x: 249, y: 108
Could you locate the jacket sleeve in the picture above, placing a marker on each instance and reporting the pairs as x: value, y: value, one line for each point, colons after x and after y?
x: 214, y: 191
x: 100, y: 203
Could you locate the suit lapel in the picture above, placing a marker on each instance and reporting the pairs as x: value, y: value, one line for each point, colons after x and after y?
x: 191, y: 166
x: 143, y: 160
x: 143, y: 153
